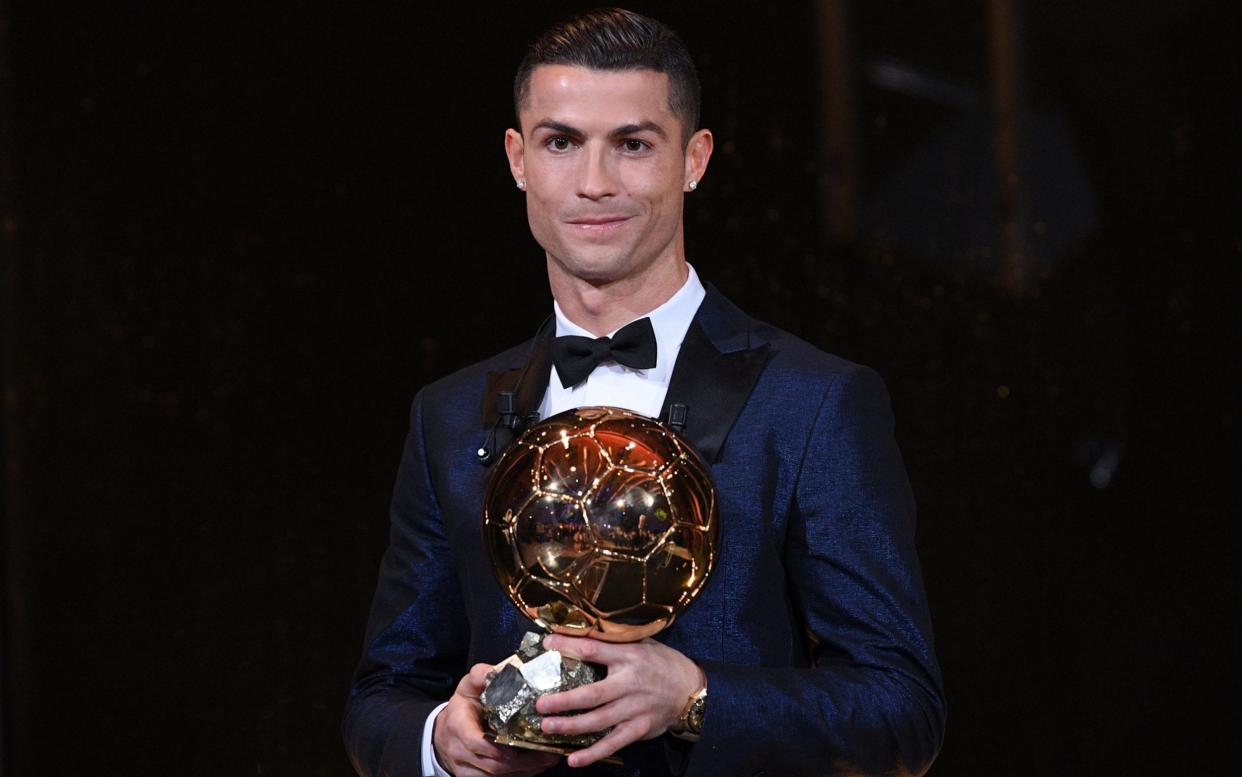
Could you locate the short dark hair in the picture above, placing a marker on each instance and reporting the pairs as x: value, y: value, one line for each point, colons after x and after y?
x: 617, y: 39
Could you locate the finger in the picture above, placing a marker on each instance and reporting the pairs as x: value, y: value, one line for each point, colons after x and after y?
x: 466, y: 736
x: 468, y: 769
x: 515, y: 761
x: 588, y: 722
x: 584, y: 697
x: 463, y: 763
x: 480, y: 747
x: 620, y: 736
x: 479, y: 672
x: 507, y: 761
x: 477, y: 745
x: 491, y: 766
x: 472, y: 684
x: 467, y: 729
x: 587, y: 649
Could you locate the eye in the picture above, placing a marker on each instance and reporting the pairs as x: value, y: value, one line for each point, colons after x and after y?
x: 634, y: 146
x: 559, y: 143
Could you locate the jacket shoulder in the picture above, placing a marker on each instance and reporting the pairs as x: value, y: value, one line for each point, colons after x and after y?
x: 507, y: 359
x: 799, y: 362
x: 458, y: 396
x: 791, y: 360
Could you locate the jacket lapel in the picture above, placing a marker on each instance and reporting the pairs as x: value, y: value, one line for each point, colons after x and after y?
x: 716, y: 370
x: 527, y: 381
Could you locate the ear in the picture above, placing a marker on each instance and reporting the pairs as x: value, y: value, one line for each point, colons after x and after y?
x: 698, y: 152
x: 515, y: 149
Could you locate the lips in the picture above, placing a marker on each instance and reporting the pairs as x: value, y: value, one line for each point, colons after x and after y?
x: 596, y: 221
x: 598, y: 224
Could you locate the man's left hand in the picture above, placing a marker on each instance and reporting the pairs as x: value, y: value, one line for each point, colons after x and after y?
x: 647, y: 687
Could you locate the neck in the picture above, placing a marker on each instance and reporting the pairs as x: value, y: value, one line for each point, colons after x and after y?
x: 603, y: 306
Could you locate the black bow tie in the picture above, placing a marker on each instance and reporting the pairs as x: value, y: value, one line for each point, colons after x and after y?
x: 634, y: 345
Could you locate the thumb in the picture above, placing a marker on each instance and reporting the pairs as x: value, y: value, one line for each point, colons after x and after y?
x: 472, y: 684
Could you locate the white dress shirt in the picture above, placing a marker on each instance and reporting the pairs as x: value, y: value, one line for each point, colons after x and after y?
x: 641, y: 391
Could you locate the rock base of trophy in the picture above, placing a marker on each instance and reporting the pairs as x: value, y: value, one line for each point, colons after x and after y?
x: 501, y: 739
x: 511, y: 689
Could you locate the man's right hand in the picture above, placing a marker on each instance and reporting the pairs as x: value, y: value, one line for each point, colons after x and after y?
x: 459, y: 743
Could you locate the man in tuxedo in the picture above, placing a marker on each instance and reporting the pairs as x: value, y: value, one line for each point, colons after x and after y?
x: 809, y: 650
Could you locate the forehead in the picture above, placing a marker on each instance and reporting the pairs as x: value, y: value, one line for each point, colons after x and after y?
x: 583, y: 97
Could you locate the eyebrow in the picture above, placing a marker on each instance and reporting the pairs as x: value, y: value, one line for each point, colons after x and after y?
x: 626, y: 129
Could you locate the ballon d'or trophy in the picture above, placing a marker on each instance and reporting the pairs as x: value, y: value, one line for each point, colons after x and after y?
x: 599, y: 523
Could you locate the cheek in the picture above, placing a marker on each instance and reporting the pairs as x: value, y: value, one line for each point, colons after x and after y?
x: 657, y: 188
x: 539, y: 214
x: 662, y: 204
x: 537, y: 204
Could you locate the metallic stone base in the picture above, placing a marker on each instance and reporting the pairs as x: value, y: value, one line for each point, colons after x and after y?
x: 515, y: 684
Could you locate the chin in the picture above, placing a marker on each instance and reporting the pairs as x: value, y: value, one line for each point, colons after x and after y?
x: 597, y: 268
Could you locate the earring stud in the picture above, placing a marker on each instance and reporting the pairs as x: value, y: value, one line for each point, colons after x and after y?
x: 521, y: 184
x: 693, y: 184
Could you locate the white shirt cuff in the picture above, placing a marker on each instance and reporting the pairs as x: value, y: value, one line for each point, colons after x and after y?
x: 430, y: 765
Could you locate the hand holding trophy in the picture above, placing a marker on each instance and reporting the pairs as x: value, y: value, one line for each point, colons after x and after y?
x: 599, y: 523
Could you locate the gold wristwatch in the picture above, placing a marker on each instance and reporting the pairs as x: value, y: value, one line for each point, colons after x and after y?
x: 690, y: 725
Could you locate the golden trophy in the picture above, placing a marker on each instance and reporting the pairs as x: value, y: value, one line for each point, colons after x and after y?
x: 599, y: 523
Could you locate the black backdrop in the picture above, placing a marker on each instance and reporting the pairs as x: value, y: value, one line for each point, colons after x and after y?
x: 244, y: 236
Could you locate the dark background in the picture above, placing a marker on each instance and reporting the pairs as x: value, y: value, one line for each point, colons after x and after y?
x: 237, y: 240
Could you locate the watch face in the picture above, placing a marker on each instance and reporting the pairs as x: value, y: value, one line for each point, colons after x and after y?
x: 694, y: 720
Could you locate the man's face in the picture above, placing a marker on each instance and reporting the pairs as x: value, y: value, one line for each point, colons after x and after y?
x: 605, y: 169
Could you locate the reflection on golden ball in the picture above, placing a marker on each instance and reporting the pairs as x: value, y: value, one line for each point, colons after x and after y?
x: 601, y: 522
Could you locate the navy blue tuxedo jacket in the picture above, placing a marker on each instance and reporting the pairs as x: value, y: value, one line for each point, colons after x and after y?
x: 813, y: 630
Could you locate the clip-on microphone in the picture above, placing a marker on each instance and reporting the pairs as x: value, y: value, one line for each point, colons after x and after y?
x: 677, y: 417
x: 507, y: 425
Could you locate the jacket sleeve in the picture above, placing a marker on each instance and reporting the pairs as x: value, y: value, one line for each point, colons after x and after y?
x: 871, y: 703
x: 417, y: 633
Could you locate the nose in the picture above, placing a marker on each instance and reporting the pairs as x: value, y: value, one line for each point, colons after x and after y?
x: 596, y: 179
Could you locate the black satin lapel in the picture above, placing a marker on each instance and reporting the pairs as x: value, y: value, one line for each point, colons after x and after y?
x: 713, y: 386
x: 534, y: 383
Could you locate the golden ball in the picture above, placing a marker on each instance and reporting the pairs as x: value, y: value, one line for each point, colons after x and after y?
x: 601, y: 522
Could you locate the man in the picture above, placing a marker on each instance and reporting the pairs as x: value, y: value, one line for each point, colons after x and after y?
x: 809, y: 650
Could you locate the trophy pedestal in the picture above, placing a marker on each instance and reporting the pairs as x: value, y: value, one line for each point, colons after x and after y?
x: 502, y: 739
x: 517, y: 682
